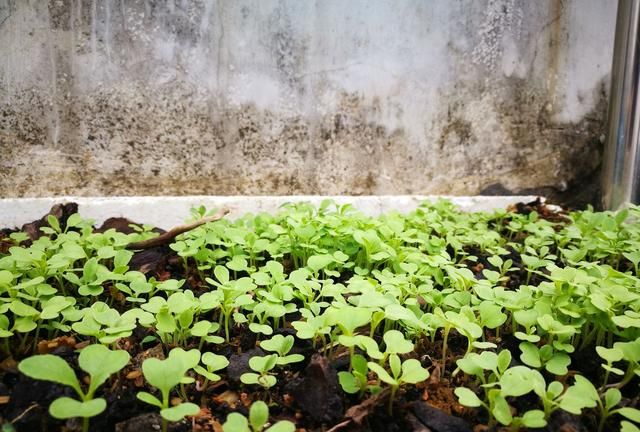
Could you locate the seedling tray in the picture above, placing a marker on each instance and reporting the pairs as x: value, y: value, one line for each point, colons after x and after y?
x: 391, y: 314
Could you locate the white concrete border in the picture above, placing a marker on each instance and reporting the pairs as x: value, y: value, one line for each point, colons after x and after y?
x: 166, y: 212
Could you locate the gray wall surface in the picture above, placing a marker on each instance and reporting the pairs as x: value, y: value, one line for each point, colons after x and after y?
x: 123, y: 97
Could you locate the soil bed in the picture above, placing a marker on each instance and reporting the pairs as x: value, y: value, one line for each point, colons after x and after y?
x: 453, y: 273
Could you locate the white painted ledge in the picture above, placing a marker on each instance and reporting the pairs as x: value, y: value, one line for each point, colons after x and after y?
x: 166, y: 212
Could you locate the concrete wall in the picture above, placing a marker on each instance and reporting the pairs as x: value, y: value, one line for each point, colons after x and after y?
x: 121, y: 97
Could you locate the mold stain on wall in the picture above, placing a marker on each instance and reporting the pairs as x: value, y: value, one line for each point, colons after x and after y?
x: 287, y: 97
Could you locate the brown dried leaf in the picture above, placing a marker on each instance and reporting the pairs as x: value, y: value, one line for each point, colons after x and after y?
x: 358, y: 413
x: 46, y: 346
x: 228, y: 397
x: 134, y: 374
x: 9, y: 365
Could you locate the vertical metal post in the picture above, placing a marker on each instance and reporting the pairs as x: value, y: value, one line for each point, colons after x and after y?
x: 621, y: 165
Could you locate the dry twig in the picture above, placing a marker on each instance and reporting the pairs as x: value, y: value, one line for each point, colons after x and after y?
x: 174, y: 232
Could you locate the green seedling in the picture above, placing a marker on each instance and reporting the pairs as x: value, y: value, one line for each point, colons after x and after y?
x: 394, y: 341
x: 518, y: 381
x: 315, y: 328
x: 263, y: 367
x: 536, y: 259
x: 357, y: 380
x: 348, y: 319
x: 165, y: 375
x: 554, y: 362
x: 274, y: 293
x: 212, y: 363
x: 464, y: 322
x: 374, y: 283
x: 503, y: 266
x: 491, y: 316
x: 607, y: 405
x: 173, y: 316
x: 528, y: 319
x: 407, y: 372
x: 628, y: 352
x: 258, y: 419
x: 558, y: 334
x: 96, y: 360
x: 231, y: 294
x: 107, y: 325
x: 282, y: 345
x: 94, y: 275
x: 488, y: 367
x: 206, y: 331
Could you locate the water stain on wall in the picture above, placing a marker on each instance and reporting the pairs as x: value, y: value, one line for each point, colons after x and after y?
x: 141, y: 98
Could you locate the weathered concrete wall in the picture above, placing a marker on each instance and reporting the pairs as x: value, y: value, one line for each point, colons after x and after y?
x: 104, y: 97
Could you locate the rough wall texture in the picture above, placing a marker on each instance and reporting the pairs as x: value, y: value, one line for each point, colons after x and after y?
x: 108, y: 97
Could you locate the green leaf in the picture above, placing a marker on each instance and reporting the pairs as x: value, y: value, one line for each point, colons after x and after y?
x: 396, y: 343
x: 517, y: 381
x: 149, y: 398
x: 165, y: 321
x: 396, y: 365
x: 484, y: 345
x: 261, y: 328
x: 630, y: 413
x: 558, y: 364
x: 504, y: 360
x: 21, y: 309
x: 534, y: 419
x: 53, y: 223
x: 582, y: 394
x: 236, y: 423
x: 258, y: 415
x: 24, y: 324
x: 74, y: 251
x: 383, y: 375
x: 74, y: 220
x: 214, y: 362
x: 249, y: 378
x: 359, y: 364
x: 555, y: 389
x: 350, y: 318
x: 625, y: 426
x: 288, y: 359
x: 348, y: 382
x: 413, y: 372
x: 470, y: 365
x: 318, y: 262
x: 530, y: 355
x: 237, y: 263
x: 612, y: 398
x: 267, y: 381
x: 263, y: 364
x: 201, y: 328
x: 65, y: 407
x: 166, y: 374
x: 90, y: 269
x: 100, y: 362
x: 5, y: 278
x: 611, y: 355
x: 178, y: 412
x: 278, y: 343
x: 500, y: 408
x: 222, y: 274
x: 282, y: 426
x: 491, y: 314
x: 467, y: 398
x: 188, y: 359
x: 50, y: 368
